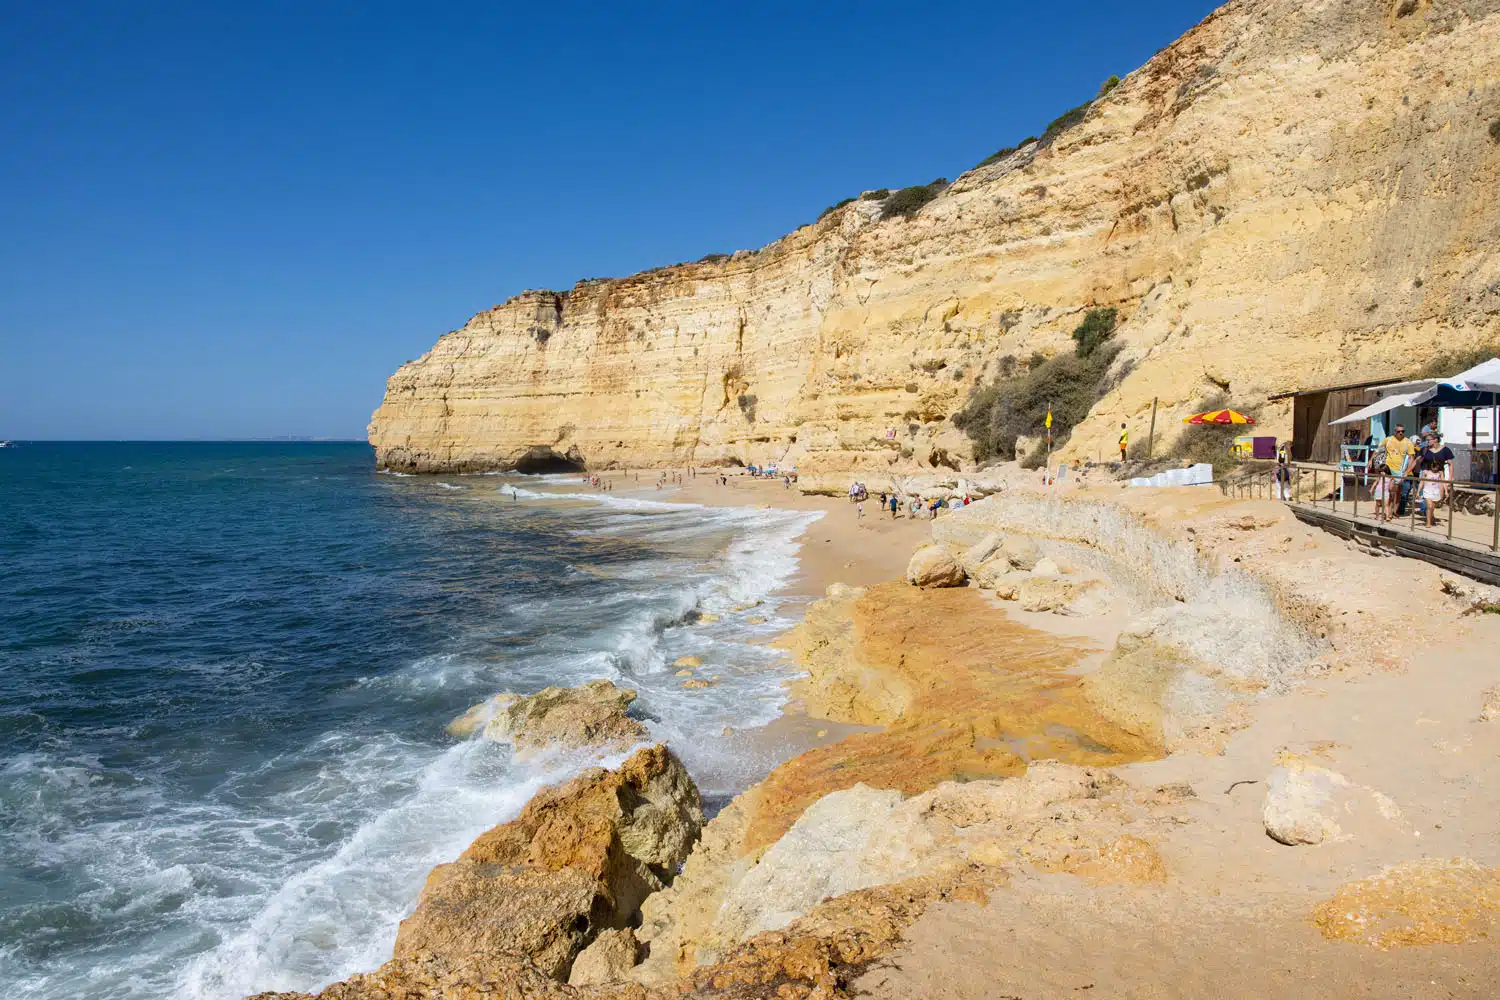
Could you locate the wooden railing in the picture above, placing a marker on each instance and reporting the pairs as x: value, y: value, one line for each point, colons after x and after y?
x: 1469, y: 508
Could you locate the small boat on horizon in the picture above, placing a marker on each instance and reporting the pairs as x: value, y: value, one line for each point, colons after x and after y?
x: 7, y: 444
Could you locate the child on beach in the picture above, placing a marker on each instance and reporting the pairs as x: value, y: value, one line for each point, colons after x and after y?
x: 1432, y: 487
x: 859, y: 508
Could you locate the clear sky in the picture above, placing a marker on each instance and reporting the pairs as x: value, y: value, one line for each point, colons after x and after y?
x: 235, y: 220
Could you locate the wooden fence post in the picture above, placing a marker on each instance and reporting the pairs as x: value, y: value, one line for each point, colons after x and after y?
x: 1151, y: 434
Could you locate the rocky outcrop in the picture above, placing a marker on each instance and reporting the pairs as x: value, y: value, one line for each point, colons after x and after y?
x: 1426, y: 902
x: 933, y: 566
x: 1489, y: 710
x: 1289, y: 194
x: 592, y: 715
x: 1310, y: 804
x: 579, y: 859
x: 1055, y: 818
x: 980, y: 553
x: 961, y: 689
x: 608, y: 960
x: 1052, y: 593
x: 1207, y: 637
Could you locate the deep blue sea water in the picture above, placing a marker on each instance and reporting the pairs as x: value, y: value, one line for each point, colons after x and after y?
x: 225, y: 671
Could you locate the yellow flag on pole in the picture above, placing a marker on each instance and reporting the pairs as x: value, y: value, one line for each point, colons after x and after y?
x: 1049, y: 418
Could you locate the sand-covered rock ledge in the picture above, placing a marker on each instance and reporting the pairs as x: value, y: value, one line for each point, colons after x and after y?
x: 1240, y: 757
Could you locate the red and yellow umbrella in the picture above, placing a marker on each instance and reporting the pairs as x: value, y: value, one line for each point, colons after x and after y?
x: 1219, y: 417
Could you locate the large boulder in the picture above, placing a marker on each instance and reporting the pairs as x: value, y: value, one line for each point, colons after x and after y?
x: 1047, y: 566
x: 980, y: 552
x: 1056, y: 817
x: 1051, y: 593
x: 607, y: 960
x: 1310, y: 804
x: 934, y: 566
x: 1021, y: 551
x: 579, y: 859
x: 995, y: 574
x: 593, y: 715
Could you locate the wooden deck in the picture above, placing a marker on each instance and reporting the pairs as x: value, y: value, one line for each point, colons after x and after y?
x: 1469, y: 551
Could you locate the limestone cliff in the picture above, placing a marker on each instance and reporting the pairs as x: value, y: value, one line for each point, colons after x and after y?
x: 1290, y: 193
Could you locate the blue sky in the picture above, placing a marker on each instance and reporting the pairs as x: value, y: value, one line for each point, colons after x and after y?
x: 236, y: 220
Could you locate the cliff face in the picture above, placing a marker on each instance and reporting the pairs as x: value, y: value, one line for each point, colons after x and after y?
x: 1291, y: 193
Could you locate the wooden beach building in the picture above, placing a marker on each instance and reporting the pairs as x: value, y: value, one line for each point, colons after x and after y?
x: 1313, y: 440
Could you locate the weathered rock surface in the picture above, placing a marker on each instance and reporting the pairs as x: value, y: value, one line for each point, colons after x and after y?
x: 579, y: 859
x: 934, y: 566
x: 1248, y: 162
x: 1310, y: 804
x: 592, y: 715
x: 1055, y: 818
x: 435, y: 977
x: 957, y: 683
x: 1226, y: 622
x: 991, y: 574
x: 607, y: 960
x: 1052, y: 593
x: 979, y: 553
x: 1489, y: 709
x: 1425, y: 902
x: 1021, y: 552
x: 1476, y: 598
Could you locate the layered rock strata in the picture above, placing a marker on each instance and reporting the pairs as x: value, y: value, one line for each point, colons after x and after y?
x: 1290, y: 194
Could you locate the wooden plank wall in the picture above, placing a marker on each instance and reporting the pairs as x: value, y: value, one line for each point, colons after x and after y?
x: 1312, y: 439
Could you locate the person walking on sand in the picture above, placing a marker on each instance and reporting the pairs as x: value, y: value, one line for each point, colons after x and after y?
x: 894, y: 504
x: 1124, y: 440
x: 859, y: 509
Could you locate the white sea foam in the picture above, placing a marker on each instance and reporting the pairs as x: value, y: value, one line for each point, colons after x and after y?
x: 339, y: 916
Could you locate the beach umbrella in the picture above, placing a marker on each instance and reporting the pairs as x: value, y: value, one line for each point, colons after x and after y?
x: 1219, y: 417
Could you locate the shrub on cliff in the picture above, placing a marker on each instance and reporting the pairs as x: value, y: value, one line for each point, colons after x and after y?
x: 1012, y: 406
x: 1066, y: 120
x: 998, y: 155
x: 909, y: 200
x: 1098, y: 326
x: 1109, y: 84
x: 834, y: 208
x: 1495, y: 130
x: 747, y: 406
x: 879, y: 194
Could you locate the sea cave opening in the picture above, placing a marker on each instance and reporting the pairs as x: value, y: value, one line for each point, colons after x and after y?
x: 542, y: 460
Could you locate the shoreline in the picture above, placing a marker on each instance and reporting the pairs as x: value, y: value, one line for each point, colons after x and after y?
x: 1149, y: 824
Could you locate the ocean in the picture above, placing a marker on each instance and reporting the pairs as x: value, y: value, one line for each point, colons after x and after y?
x: 225, y: 670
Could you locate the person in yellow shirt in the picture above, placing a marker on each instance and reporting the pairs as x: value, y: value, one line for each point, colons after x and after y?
x: 1124, y: 441
x: 1398, y: 455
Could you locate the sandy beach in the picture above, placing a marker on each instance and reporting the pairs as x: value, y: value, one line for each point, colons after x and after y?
x: 1381, y: 717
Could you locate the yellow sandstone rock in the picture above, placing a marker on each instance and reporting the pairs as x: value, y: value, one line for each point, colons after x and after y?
x: 1290, y: 194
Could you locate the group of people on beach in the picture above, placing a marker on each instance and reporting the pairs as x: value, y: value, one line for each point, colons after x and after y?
x: 1401, y: 465
x: 915, y: 506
